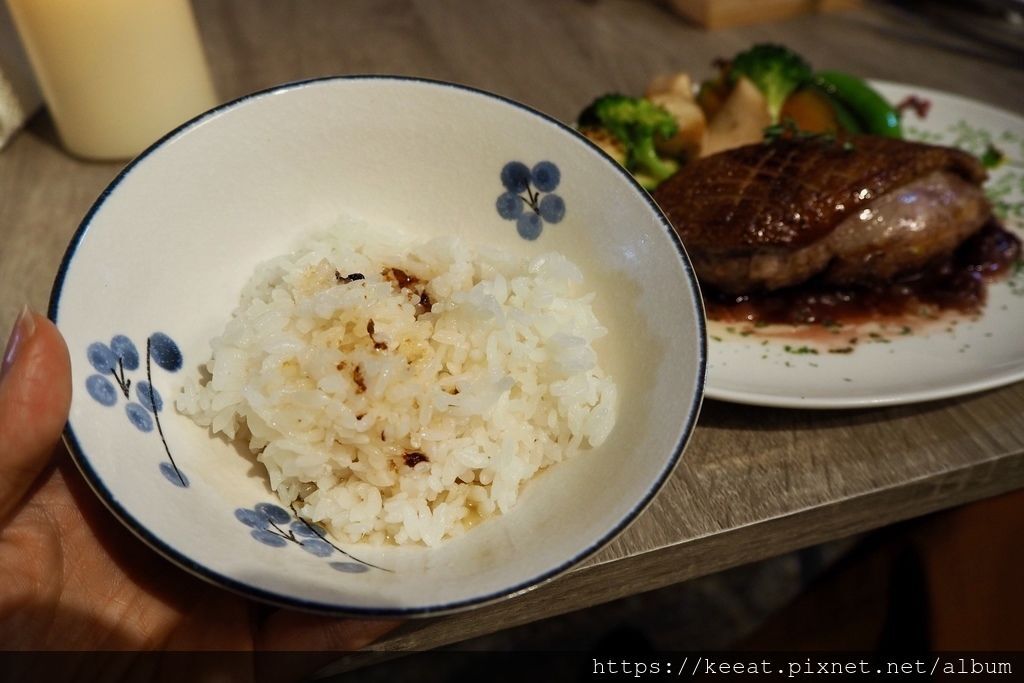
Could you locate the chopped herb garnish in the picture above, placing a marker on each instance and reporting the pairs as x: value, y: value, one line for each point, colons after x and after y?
x: 788, y: 130
x: 992, y: 157
x: 800, y: 350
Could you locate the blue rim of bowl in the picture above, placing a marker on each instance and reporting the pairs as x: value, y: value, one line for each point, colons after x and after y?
x: 247, y: 590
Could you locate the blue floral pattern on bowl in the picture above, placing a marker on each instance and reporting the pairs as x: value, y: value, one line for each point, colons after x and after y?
x: 117, y: 359
x: 270, y: 524
x: 529, y: 197
x: 274, y: 526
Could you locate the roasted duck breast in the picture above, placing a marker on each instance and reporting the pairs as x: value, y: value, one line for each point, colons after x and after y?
x: 772, y: 215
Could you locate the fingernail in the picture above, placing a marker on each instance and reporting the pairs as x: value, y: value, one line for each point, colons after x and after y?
x: 24, y: 327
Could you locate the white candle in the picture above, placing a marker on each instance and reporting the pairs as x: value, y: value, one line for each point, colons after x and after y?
x: 116, y: 74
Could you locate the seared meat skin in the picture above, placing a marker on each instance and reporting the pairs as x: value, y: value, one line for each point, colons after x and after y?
x: 906, y: 229
x: 767, y: 216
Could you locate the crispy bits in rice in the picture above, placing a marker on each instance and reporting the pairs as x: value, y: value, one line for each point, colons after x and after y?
x: 412, y: 398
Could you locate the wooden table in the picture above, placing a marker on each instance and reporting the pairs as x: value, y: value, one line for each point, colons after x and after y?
x: 755, y: 482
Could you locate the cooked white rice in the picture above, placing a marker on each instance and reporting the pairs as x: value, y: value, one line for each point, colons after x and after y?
x: 390, y: 423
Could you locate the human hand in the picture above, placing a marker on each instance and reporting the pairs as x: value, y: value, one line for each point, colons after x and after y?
x: 73, y: 579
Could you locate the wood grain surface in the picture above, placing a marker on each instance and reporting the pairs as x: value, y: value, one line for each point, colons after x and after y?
x: 755, y: 482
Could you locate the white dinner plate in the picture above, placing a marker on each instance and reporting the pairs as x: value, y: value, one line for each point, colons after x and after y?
x: 953, y: 357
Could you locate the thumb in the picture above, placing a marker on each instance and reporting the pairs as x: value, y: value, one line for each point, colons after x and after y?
x: 35, y: 395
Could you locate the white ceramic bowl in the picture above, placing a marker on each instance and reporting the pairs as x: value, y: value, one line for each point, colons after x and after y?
x: 158, y: 264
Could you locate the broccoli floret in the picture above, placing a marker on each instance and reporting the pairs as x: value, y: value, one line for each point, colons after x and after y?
x: 775, y: 70
x: 634, y: 122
